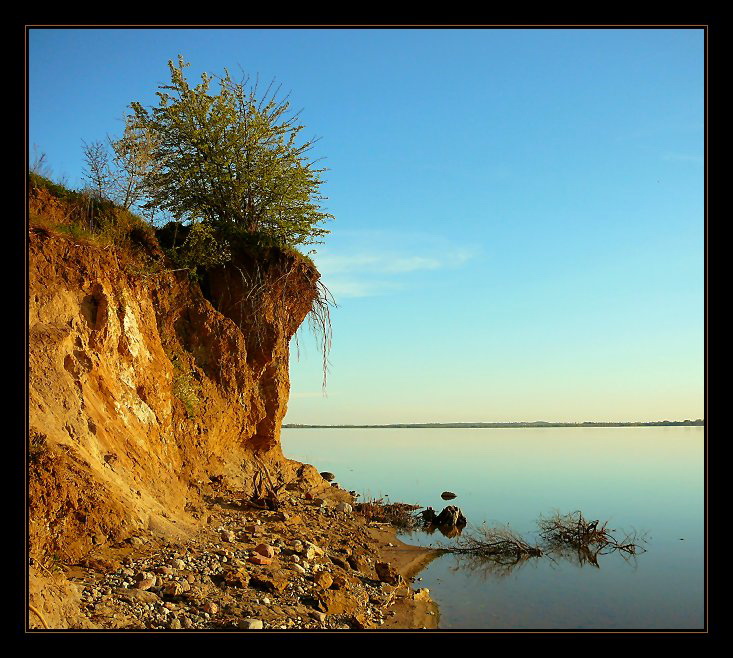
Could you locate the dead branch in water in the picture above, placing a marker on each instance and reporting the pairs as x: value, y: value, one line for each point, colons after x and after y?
x: 589, y: 539
x: 500, y: 544
x: 568, y: 536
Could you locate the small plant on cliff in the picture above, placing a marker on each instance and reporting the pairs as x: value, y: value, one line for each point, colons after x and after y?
x: 230, y: 159
x: 186, y: 388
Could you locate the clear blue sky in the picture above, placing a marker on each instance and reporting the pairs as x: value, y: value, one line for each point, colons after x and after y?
x: 519, y: 228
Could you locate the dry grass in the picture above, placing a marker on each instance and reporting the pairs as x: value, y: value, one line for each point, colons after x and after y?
x: 400, y: 515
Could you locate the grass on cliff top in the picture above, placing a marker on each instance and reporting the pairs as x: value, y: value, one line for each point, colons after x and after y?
x: 87, y: 219
x: 84, y: 218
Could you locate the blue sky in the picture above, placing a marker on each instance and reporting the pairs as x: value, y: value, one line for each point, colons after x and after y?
x: 519, y: 229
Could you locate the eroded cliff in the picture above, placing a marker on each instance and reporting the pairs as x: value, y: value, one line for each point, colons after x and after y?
x: 141, y: 388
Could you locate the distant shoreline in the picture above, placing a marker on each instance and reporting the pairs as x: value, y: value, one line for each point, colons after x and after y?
x: 656, y: 423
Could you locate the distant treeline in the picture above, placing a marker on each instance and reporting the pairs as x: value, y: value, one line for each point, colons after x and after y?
x: 539, y: 423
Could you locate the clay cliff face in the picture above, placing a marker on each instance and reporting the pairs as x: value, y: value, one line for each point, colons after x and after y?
x: 141, y: 388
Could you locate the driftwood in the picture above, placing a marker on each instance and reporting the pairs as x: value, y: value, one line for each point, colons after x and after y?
x: 266, y: 493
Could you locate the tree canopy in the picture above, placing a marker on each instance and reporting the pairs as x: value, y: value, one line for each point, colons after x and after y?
x: 230, y: 159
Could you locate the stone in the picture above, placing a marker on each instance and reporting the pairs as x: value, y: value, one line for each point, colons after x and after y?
x: 448, y: 495
x: 228, y: 536
x: 298, y: 569
x: 357, y: 563
x: 328, y: 476
x: 145, y: 583
x: 339, y: 601
x: 429, y: 515
x: 259, y: 559
x: 210, y: 607
x: 344, y: 507
x: 339, y: 582
x: 422, y: 594
x: 265, y: 549
x: 137, y: 595
x: 338, y: 561
x: 324, y: 579
x: 311, y: 550
x: 386, y: 573
x: 179, y: 564
x: 318, y: 616
x: 175, y: 624
x: 451, y: 516
x: 361, y: 621
x: 272, y: 581
x: 250, y: 624
x: 238, y: 578
x: 173, y: 589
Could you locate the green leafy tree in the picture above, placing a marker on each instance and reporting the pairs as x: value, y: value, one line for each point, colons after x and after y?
x: 231, y: 160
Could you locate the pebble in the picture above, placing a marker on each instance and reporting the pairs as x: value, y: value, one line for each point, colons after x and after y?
x: 251, y: 624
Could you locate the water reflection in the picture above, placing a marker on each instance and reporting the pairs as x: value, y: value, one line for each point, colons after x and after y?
x: 498, y: 551
x: 445, y: 530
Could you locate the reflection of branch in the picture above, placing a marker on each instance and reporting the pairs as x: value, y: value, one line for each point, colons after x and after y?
x: 500, y: 543
x: 487, y: 567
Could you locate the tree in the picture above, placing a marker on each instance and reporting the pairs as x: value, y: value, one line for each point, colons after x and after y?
x: 231, y: 160
x: 123, y: 177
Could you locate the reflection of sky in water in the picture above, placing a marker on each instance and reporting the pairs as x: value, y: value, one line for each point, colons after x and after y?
x: 646, y: 478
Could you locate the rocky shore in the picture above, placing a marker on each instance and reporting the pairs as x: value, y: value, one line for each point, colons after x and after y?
x: 314, y: 564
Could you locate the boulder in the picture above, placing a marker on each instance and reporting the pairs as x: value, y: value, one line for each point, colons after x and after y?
x: 328, y: 476
x: 448, y: 495
x: 429, y: 515
x: 450, y: 516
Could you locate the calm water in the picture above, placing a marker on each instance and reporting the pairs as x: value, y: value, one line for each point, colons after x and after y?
x: 644, y: 478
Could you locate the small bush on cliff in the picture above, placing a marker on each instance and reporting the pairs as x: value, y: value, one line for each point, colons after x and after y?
x: 230, y: 159
x: 186, y: 388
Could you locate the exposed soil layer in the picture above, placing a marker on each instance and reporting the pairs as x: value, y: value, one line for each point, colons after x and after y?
x: 154, y: 417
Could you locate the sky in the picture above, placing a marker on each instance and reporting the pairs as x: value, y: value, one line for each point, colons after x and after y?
x: 519, y: 213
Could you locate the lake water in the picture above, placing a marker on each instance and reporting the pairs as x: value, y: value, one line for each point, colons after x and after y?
x: 650, y: 479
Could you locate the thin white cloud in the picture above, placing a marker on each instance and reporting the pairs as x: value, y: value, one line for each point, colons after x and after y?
x: 342, y: 288
x: 366, y: 264
x: 683, y: 157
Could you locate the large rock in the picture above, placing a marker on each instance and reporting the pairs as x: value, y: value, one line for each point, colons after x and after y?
x: 450, y: 516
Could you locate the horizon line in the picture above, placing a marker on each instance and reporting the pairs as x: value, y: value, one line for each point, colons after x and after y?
x: 540, y: 423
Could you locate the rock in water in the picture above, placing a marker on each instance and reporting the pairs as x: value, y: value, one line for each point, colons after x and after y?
x: 428, y: 515
x: 451, y: 516
x: 329, y: 477
x: 448, y: 495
